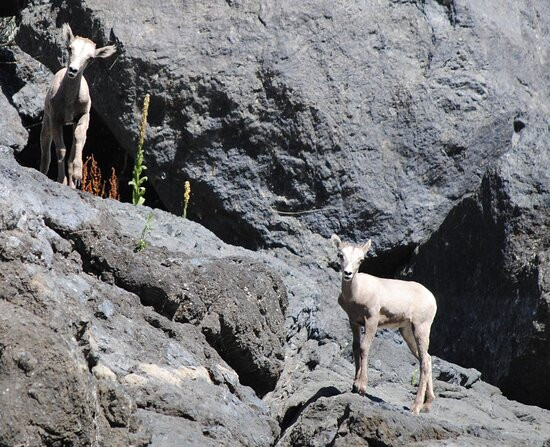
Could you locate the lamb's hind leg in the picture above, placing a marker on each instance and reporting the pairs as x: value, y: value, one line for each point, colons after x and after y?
x: 45, y: 145
x: 425, y: 391
x: 408, y: 336
x: 430, y: 396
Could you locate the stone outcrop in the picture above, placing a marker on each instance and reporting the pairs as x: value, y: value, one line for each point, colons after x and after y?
x: 84, y: 362
x: 101, y: 344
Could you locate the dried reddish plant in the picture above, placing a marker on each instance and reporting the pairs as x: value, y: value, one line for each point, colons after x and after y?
x: 93, y: 182
x: 113, y: 186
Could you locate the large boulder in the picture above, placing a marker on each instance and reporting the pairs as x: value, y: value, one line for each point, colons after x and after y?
x: 236, y: 302
x: 488, y: 265
x: 82, y: 361
x: 326, y: 116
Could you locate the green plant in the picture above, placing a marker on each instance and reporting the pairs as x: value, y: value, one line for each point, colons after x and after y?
x: 138, y: 191
x: 186, y: 197
x: 414, y: 377
x: 142, y: 243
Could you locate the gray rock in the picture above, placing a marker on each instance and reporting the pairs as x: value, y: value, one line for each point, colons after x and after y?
x: 125, y: 375
x: 138, y: 378
x: 328, y: 414
x: 12, y: 132
x: 447, y: 372
x: 293, y: 121
x: 36, y: 79
x: 237, y: 303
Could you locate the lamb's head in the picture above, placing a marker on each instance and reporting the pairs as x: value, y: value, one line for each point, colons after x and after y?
x: 82, y: 51
x: 350, y: 256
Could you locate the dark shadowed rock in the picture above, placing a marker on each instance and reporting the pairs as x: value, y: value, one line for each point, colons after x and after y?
x: 12, y: 132
x: 488, y: 266
x: 10, y: 8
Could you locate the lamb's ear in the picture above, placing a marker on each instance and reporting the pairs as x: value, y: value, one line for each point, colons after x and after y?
x: 67, y: 33
x: 365, y: 247
x: 105, y: 51
x: 336, y: 241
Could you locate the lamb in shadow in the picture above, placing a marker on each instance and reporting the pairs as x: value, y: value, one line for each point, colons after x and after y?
x: 68, y: 103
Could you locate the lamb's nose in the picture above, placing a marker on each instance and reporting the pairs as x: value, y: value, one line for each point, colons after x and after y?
x: 347, y: 273
x: 72, y: 71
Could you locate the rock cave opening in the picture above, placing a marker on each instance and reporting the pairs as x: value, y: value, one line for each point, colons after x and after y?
x: 102, y: 145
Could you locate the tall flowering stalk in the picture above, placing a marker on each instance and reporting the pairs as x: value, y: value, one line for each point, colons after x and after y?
x: 138, y: 191
x: 186, y: 197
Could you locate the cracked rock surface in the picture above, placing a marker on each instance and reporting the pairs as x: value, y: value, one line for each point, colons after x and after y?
x: 86, y: 359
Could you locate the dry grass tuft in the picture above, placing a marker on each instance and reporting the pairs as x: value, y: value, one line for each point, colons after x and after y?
x: 113, y: 186
x: 92, y: 180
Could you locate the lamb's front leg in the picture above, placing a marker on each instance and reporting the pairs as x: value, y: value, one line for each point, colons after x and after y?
x: 356, y: 332
x: 361, y: 378
x: 57, y: 135
x: 75, y: 158
x: 45, y: 144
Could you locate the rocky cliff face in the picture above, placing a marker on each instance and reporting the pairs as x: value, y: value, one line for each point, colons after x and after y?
x: 422, y: 125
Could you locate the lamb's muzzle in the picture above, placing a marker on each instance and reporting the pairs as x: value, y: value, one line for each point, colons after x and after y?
x: 377, y: 302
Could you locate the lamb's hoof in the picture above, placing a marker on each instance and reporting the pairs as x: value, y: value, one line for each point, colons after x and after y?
x: 359, y: 389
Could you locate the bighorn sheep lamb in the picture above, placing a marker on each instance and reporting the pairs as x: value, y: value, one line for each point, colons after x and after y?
x: 377, y: 302
x: 68, y: 103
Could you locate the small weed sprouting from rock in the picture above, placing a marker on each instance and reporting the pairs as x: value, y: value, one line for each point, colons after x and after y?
x: 414, y: 377
x: 142, y: 243
x: 186, y: 197
x: 138, y: 191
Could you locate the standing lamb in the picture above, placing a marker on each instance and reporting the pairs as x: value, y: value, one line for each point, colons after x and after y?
x: 377, y: 302
x: 68, y: 103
